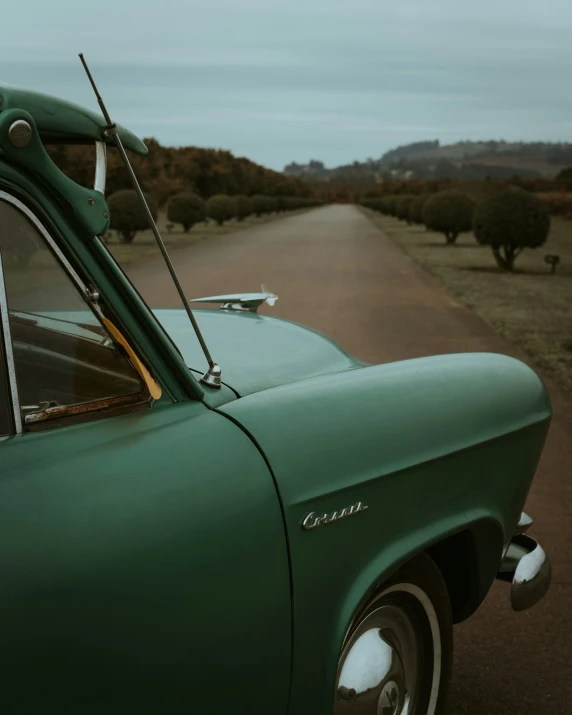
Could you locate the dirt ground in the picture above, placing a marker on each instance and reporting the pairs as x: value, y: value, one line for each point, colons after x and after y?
x: 337, y: 272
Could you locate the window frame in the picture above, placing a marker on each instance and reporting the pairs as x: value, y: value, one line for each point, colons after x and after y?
x: 7, y: 362
x: 96, y: 409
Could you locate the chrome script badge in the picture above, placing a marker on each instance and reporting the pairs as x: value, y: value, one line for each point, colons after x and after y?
x: 312, y: 521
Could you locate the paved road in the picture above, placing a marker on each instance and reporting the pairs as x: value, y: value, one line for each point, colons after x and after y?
x: 336, y: 272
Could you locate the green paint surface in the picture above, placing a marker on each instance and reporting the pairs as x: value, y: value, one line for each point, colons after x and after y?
x: 255, y: 352
x: 432, y: 446
x: 144, y: 568
x: 62, y: 121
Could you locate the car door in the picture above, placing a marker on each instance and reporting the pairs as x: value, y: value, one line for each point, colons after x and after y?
x: 143, y: 560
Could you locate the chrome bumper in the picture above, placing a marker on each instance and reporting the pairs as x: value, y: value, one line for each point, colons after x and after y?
x: 526, y: 566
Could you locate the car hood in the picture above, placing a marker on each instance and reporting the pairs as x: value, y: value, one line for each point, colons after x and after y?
x: 255, y: 352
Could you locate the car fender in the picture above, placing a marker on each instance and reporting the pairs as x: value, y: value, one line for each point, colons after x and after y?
x: 431, y: 447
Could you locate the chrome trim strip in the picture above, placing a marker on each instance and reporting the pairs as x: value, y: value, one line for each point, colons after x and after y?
x: 9, y: 352
x: 100, y: 167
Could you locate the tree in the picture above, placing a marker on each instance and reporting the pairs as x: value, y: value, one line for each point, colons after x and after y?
x: 509, y: 222
x: 221, y: 208
x: 416, y: 208
x: 565, y: 174
x: 259, y: 205
x: 127, y: 213
x: 271, y: 204
x: 564, y: 179
x: 243, y: 207
x: 374, y: 204
x: 449, y: 212
x: 402, y: 207
x: 389, y: 205
x: 186, y: 208
x: 165, y: 171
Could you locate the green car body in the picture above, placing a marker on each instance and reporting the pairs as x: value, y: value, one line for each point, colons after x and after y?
x: 208, y: 551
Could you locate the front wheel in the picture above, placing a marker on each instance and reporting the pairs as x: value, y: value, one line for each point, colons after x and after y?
x: 397, y: 657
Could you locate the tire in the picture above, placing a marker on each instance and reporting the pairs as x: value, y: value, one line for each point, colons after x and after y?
x: 396, y: 659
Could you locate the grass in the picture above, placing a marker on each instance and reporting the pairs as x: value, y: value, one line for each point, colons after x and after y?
x: 530, y: 307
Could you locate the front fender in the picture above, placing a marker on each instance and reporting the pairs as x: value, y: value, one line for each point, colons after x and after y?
x: 432, y: 446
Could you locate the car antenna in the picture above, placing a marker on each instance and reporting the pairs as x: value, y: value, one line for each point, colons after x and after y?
x: 212, y: 377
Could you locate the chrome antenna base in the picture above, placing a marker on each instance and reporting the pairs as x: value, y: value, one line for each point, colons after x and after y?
x: 212, y: 377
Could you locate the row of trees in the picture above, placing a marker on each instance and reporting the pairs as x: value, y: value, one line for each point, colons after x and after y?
x: 187, y: 209
x: 553, y: 191
x: 507, y: 220
x: 166, y: 171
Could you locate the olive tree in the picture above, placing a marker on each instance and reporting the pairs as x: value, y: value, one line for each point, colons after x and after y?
x: 373, y: 204
x: 127, y: 213
x: 509, y: 222
x: 402, y: 205
x: 416, y: 208
x: 243, y: 207
x: 259, y: 205
x: 449, y: 212
x: 187, y: 209
x: 271, y: 204
x: 389, y: 204
x: 295, y: 202
x: 221, y: 208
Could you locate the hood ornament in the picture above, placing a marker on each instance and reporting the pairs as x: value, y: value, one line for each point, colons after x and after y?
x: 245, y: 302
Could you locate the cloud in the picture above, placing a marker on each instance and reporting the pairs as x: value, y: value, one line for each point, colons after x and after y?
x: 282, y: 80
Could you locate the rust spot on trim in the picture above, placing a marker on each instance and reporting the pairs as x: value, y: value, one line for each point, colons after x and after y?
x: 53, y: 413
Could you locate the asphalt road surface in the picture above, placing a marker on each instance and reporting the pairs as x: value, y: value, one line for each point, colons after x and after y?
x: 336, y: 272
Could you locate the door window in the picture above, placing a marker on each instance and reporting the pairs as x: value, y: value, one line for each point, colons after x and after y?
x: 64, y: 358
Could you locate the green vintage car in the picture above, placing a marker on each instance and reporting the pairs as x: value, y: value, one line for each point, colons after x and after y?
x: 298, y: 537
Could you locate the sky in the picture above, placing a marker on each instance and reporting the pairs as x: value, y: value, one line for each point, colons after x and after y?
x: 293, y: 80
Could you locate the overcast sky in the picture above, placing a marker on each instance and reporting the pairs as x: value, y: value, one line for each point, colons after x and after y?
x: 284, y: 80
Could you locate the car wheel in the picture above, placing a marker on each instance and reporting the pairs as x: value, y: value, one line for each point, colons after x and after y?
x: 396, y: 659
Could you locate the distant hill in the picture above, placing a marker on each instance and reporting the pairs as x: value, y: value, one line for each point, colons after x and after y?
x: 463, y: 160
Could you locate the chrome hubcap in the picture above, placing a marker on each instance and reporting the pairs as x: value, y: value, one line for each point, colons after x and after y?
x: 380, y: 666
x: 389, y: 699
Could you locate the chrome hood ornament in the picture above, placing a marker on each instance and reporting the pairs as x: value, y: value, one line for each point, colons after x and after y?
x: 246, y: 302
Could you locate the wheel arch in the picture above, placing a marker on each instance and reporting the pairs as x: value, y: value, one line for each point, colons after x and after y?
x: 465, y: 568
x: 467, y: 557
